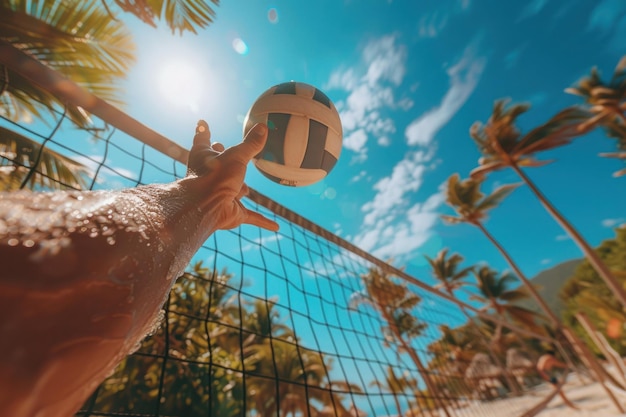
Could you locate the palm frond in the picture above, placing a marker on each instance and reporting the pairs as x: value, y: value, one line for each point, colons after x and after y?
x: 55, y: 171
x: 451, y: 219
x: 560, y: 130
x: 180, y: 15
x: 77, y: 39
x: 495, y: 198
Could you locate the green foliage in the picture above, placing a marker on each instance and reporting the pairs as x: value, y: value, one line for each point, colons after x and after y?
x: 606, y: 102
x: 585, y: 291
x: 180, y: 15
x: 85, y: 42
x: 469, y: 202
x: 395, y: 303
x: 77, y: 39
x: 503, y: 145
x: 200, y: 352
x: 18, y: 154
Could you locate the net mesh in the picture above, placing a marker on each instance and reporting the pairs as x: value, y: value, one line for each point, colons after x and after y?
x: 290, y: 323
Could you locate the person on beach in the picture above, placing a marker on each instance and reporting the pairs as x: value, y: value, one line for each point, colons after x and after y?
x: 84, y: 273
x: 549, y: 368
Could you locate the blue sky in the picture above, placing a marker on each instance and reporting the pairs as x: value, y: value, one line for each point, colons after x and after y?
x: 409, y: 79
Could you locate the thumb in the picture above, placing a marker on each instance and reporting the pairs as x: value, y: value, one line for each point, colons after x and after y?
x: 253, y: 143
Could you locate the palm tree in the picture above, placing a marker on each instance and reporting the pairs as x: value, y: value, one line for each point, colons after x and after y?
x: 194, y: 372
x: 396, y: 385
x: 395, y: 302
x: 607, y: 101
x: 472, y: 206
x: 83, y: 41
x: 446, y: 271
x: 80, y: 42
x: 291, y: 379
x: 502, y: 145
x: 19, y: 156
x: 181, y: 15
x: 607, y: 105
x: 498, y: 296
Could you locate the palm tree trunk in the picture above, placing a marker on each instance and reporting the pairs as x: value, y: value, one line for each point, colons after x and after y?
x: 432, y: 389
x: 529, y: 286
x: 556, y: 322
x: 589, y: 252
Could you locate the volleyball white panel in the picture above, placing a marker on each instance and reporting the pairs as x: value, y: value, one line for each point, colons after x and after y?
x: 305, y: 90
x: 294, y: 149
x: 333, y: 143
x: 290, y: 175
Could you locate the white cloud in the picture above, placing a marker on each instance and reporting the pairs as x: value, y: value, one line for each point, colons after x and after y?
x: 406, y: 176
x: 356, y: 141
x: 546, y: 261
x: 345, y: 80
x: 434, y: 22
x: 262, y: 241
x: 394, y: 226
x: 385, y: 60
x: 430, y: 25
x: 561, y: 238
x: 358, y: 177
x: 464, y: 77
x: 384, y: 141
x: 512, y: 58
x: 532, y: 8
x: 613, y: 222
x: 606, y: 15
x: 405, y: 234
x: 371, y: 94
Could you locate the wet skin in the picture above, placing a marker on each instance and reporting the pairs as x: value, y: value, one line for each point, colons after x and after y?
x: 83, y: 275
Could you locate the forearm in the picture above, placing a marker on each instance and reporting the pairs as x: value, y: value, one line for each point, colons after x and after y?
x: 88, y: 279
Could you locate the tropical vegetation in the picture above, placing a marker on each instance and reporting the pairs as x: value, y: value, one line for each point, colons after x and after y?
x: 584, y: 292
x: 86, y: 42
x: 209, y: 357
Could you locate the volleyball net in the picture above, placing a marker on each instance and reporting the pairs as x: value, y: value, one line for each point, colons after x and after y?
x: 297, y: 322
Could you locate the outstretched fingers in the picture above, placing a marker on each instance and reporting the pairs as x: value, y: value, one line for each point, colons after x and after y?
x: 203, y: 134
x: 252, y: 144
x: 257, y: 219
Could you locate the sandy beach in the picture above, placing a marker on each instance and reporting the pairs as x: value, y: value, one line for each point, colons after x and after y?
x: 589, y: 396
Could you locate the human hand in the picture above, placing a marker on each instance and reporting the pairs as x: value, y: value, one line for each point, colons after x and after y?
x: 221, y: 175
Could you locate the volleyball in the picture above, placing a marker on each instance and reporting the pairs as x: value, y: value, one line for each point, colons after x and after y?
x: 304, y: 133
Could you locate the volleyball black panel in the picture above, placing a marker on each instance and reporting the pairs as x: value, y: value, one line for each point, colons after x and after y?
x: 286, y: 88
x: 315, y: 145
x: 322, y: 98
x: 328, y: 161
x: 290, y: 88
x: 274, y: 149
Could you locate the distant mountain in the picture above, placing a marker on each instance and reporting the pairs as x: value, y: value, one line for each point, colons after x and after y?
x: 549, y: 283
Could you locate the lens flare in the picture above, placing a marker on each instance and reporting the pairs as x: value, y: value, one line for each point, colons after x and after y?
x: 272, y: 15
x: 240, y: 46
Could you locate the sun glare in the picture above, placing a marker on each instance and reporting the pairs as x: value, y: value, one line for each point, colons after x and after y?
x: 181, y: 84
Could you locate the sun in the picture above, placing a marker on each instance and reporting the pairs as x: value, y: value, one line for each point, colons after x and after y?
x: 180, y: 83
